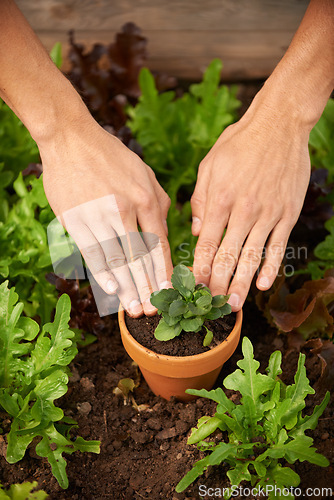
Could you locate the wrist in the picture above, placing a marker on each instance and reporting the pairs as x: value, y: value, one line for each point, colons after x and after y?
x: 286, y: 101
x: 58, y: 110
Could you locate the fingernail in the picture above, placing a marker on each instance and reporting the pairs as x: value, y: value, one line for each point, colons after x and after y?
x: 148, y: 307
x: 196, y: 224
x: 165, y: 284
x: 112, y: 286
x: 264, y: 282
x: 135, y: 307
x: 234, y: 300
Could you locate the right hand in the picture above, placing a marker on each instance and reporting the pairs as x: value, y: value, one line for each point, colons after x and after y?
x: 100, y: 190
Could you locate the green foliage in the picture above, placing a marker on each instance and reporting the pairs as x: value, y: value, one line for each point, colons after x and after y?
x: 33, y: 374
x: 321, y: 141
x: 324, y: 253
x: 266, y: 427
x: 22, y: 491
x: 17, y: 148
x: 56, y: 54
x: 176, y: 134
x: 186, y: 306
x: 24, y: 248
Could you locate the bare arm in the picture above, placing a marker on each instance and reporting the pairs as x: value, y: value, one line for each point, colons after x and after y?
x: 253, y: 181
x: 97, y: 187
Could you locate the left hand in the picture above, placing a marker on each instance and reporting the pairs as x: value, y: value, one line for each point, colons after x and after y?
x: 252, y: 183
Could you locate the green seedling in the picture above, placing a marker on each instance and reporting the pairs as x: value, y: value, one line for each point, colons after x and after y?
x: 33, y: 374
x: 186, y: 306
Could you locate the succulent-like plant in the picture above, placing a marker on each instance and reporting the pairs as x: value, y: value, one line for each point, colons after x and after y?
x: 186, y: 306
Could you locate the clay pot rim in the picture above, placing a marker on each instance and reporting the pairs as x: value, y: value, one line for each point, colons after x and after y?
x: 165, y: 359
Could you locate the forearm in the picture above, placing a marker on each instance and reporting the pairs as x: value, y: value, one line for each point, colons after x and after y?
x: 303, y: 80
x: 29, y: 81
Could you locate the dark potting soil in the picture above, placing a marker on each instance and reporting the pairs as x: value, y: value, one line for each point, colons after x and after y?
x: 144, y: 453
x: 187, y: 343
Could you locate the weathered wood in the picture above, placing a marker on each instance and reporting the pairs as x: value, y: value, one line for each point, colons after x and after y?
x: 250, y: 36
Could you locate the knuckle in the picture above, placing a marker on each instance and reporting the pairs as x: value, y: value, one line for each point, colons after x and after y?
x: 275, y: 251
x: 115, y: 261
x: 145, y: 199
x: 206, y: 248
x: 226, y: 260
x: 202, y: 164
x: 92, y: 256
x: 196, y: 201
x: 221, y: 203
x: 252, y: 256
x: 137, y: 255
x: 166, y: 202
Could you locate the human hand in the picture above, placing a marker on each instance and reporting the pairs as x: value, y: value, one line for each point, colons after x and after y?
x: 252, y: 183
x: 99, y: 191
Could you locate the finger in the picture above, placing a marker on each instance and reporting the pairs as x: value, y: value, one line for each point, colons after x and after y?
x: 248, y: 264
x: 274, y: 254
x: 214, y: 223
x: 239, y: 226
x: 158, y: 246
x: 117, y: 263
x: 198, y: 201
x: 162, y: 197
x: 94, y: 257
x: 141, y: 267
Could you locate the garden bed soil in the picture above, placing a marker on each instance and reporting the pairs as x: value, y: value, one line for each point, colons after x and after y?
x: 187, y: 344
x: 145, y: 454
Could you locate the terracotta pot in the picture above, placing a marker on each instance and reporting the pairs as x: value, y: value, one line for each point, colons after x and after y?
x: 169, y: 376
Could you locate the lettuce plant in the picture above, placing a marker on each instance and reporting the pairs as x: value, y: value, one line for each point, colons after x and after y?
x: 33, y: 374
x: 25, y: 256
x: 24, y: 491
x: 266, y: 427
x: 187, y: 306
x: 321, y: 141
x: 324, y: 254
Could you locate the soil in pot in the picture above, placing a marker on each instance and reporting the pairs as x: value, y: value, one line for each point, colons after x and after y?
x: 187, y: 344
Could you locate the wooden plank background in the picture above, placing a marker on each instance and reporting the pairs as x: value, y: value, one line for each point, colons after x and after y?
x: 250, y: 36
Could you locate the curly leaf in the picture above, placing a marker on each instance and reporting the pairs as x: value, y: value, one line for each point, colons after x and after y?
x: 54, y: 345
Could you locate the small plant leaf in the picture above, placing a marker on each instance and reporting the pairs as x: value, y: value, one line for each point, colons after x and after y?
x: 204, y: 301
x: 205, y: 427
x: 225, y: 310
x: 219, y: 300
x: 297, y: 393
x: 170, y: 320
x: 213, y: 314
x: 177, y: 308
x: 163, y: 298
x: 183, y: 281
x: 165, y: 332
x: 208, y: 337
x: 193, y: 474
x: 191, y: 324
